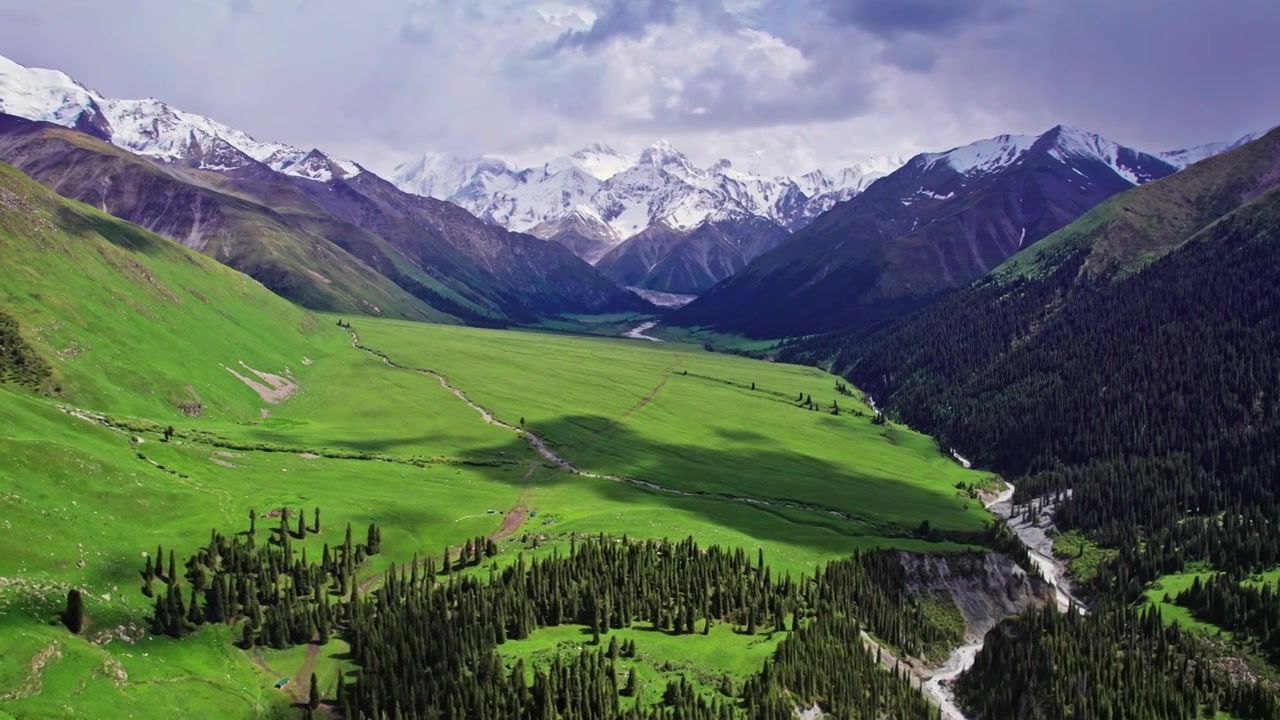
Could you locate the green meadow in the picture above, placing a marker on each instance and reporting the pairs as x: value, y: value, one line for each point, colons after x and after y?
x: 142, y: 335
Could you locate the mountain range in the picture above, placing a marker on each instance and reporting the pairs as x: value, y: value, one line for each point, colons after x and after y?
x: 445, y: 239
x: 319, y: 230
x: 936, y: 224
x: 608, y: 207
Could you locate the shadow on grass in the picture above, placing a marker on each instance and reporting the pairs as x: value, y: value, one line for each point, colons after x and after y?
x: 714, y: 478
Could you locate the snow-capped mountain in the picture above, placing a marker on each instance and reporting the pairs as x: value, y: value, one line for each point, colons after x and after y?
x: 940, y: 221
x: 318, y: 230
x: 1068, y: 144
x: 602, y: 196
x: 1189, y: 156
x: 152, y: 128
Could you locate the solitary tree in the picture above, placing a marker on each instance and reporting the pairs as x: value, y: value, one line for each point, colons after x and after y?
x: 253, y: 522
x: 314, y: 701
x: 168, y: 433
x: 73, y: 617
x: 317, y: 522
x: 633, y: 686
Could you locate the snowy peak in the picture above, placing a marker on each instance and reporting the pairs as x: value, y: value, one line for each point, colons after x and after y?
x: 662, y: 155
x: 1063, y: 143
x: 44, y: 95
x: 148, y: 127
x: 441, y: 175
x: 618, y: 195
x: 984, y: 156
x: 601, y: 161
x: 1189, y: 156
x: 1073, y: 144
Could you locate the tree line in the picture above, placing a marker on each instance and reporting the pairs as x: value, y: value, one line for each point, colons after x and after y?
x: 426, y: 640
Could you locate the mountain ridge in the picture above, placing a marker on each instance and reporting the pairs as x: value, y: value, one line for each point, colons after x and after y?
x: 628, y: 193
x: 322, y: 231
x: 937, y: 223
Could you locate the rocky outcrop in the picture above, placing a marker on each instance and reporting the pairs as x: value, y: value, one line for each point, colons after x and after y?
x: 987, y: 587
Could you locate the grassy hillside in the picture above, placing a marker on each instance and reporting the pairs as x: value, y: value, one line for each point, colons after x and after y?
x: 138, y: 334
x: 254, y: 234
x: 133, y: 322
x: 1130, y: 230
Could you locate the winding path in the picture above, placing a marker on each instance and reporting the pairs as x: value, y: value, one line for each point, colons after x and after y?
x: 540, y: 446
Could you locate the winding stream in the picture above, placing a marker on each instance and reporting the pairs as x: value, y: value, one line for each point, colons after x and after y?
x: 1040, y: 547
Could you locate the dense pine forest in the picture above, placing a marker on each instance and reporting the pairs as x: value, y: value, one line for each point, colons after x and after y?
x: 425, y: 640
x: 1154, y: 399
x: 1251, y: 612
x: 1142, y: 398
x: 1128, y: 665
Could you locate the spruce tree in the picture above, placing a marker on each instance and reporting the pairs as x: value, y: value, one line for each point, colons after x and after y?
x: 633, y: 686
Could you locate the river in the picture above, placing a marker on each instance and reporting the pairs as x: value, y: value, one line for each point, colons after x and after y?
x: 1040, y: 547
x: 638, y: 332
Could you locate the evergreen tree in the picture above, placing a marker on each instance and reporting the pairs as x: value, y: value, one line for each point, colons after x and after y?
x: 73, y: 615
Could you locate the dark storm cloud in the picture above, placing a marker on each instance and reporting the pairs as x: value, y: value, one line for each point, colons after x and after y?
x: 928, y: 17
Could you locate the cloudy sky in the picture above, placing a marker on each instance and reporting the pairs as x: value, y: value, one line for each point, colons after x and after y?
x: 785, y: 84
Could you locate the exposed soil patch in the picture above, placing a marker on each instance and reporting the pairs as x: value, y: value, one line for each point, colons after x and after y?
x: 35, y: 681
x: 276, y: 389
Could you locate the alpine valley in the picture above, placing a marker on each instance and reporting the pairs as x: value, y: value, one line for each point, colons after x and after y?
x: 989, y: 433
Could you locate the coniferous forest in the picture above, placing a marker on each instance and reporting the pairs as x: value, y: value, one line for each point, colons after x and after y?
x: 1144, y: 402
x: 425, y: 640
x: 1122, y: 665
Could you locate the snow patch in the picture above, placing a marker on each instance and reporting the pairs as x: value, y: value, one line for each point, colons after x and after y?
x: 984, y: 156
x: 1075, y: 143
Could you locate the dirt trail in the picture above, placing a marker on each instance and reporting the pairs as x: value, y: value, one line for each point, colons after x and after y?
x: 540, y: 446
x: 301, y: 685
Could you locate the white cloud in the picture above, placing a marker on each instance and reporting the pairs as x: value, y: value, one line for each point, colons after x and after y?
x: 793, y: 81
